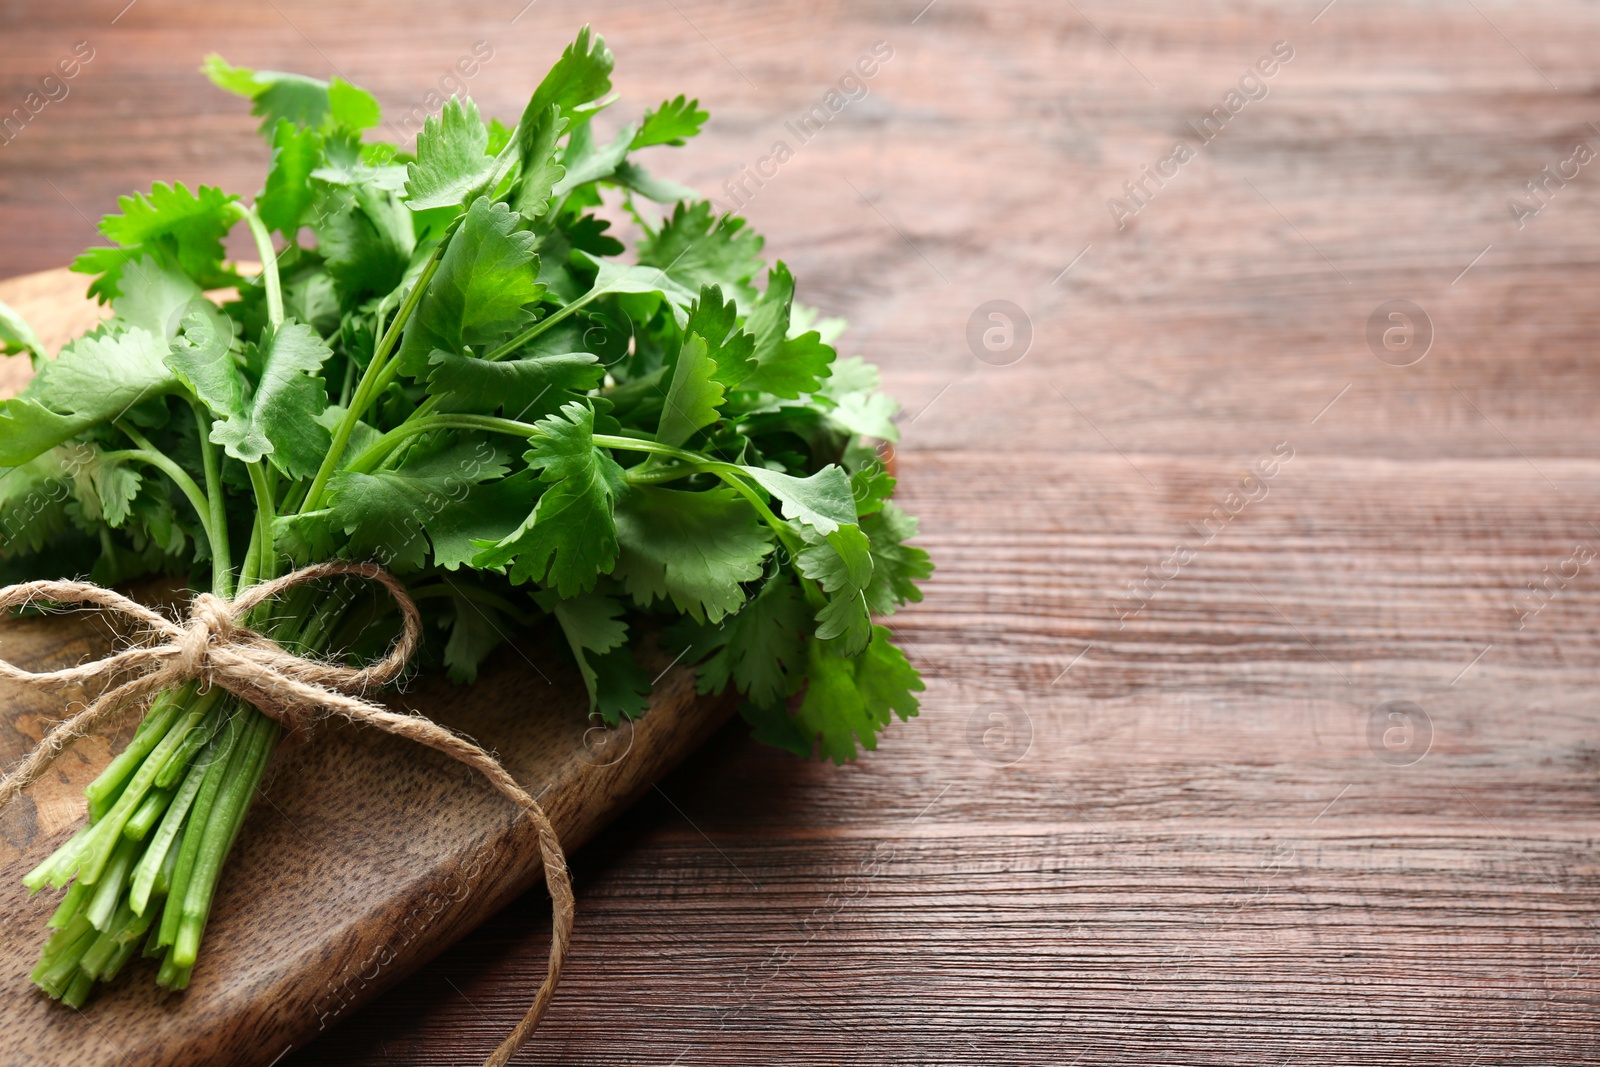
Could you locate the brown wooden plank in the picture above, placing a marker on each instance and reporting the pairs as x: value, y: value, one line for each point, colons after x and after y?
x: 363, y: 857
x: 1127, y: 892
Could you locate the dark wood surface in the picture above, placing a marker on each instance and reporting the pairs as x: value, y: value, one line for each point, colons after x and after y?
x: 1207, y: 853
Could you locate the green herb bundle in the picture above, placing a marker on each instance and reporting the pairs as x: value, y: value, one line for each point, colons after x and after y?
x: 463, y: 376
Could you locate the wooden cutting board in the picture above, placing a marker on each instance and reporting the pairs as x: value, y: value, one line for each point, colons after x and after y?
x: 363, y: 856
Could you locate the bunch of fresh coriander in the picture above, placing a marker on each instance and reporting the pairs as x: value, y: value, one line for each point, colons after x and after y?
x: 462, y: 377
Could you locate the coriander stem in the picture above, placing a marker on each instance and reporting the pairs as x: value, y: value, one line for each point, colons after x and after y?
x: 101, y: 838
x: 349, y: 383
x: 269, y: 262
x: 221, y: 827
x: 164, y: 710
x: 728, y: 472
x: 493, y: 424
x: 225, y: 756
x: 155, y: 854
x: 266, y: 559
x: 657, y: 475
x: 411, y: 428
x: 379, y: 373
x: 431, y: 404
x: 145, y: 815
x: 292, y: 499
x: 252, y: 558
x: 368, y: 387
x: 148, y: 454
x: 221, y: 557
x: 428, y: 406
x: 541, y: 326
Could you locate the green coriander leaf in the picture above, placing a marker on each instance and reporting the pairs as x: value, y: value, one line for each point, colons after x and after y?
x: 346, y: 165
x: 363, y: 435
x: 196, y: 222
x: 842, y: 560
x: 489, y: 511
x: 886, y: 679
x: 113, y: 487
x: 524, y: 389
x: 841, y: 564
x: 476, y: 631
x: 28, y: 430
x: 694, y: 548
x: 622, y: 687
x: 17, y: 336
x: 391, y: 514
x: 170, y: 220
x: 614, y: 277
x: 240, y: 81
x: 105, y: 265
x: 591, y: 622
x: 94, y: 380
x: 314, y: 297
x: 844, y: 619
x: 730, y: 347
x: 452, y: 165
x: 282, y: 418
x: 499, y: 136
x: 853, y: 375
x: 307, y: 537
x: 584, y: 162
x: 896, y: 567
x: 868, y: 415
x: 672, y: 123
x: 871, y: 485
x: 851, y: 698
x: 352, y: 107
x: 577, y: 81
x: 796, y: 367
x: 202, y: 358
x: 570, y: 539
x: 366, y: 236
x: 275, y: 95
x: 101, y: 375
x: 860, y: 407
x: 154, y: 523
x: 630, y: 175
x: 536, y: 145
x: 822, y: 501
x: 696, y: 248
x: 484, y: 288
x: 35, y: 497
x: 597, y: 634
x: 287, y: 195
x: 785, y: 366
x: 771, y: 724
x: 156, y: 297
x: 761, y: 646
x: 802, y: 319
x: 694, y: 395
x: 304, y: 101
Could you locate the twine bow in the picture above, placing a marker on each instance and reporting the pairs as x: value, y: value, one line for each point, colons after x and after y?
x: 215, y: 648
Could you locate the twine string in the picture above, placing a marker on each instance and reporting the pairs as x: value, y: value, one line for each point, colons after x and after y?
x: 214, y: 647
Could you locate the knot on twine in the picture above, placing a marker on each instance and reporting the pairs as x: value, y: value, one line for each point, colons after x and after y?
x: 216, y: 648
x: 209, y: 618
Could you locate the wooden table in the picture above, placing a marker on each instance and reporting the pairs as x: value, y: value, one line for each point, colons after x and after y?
x: 1215, y: 766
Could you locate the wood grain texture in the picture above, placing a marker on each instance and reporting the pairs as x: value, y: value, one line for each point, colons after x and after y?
x: 1206, y: 855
